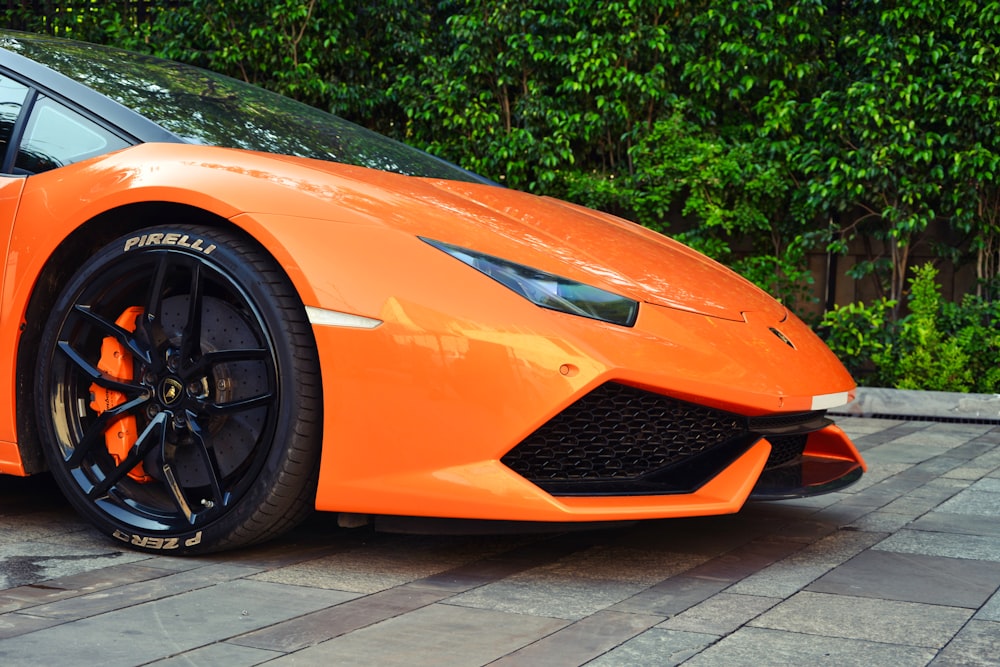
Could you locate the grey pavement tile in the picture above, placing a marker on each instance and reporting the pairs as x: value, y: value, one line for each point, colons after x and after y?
x: 880, y: 522
x: 973, y: 501
x: 988, y: 485
x: 991, y: 610
x: 970, y: 472
x: 219, y: 655
x: 580, y: 584
x: 721, y: 614
x: 798, y: 570
x: 860, y: 426
x: 977, y: 645
x: 953, y: 582
x: 166, y: 627
x: 911, y: 451
x: 941, y: 489
x: 876, y: 475
x: 671, y: 596
x: 912, y: 505
x: 76, y: 584
x: 140, y: 592
x: 968, y: 524
x: 935, y: 467
x: 176, y: 563
x: 952, y: 545
x: 746, y: 560
x: 319, y: 626
x: 612, y: 562
x: 436, y: 635
x: 655, y: 647
x: 875, y: 620
x: 14, y: 624
x: 33, y: 562
x: 753, y: 647
x: 582, y: 641
x: 543, y: 594
x: 376, y: 567
x: 974, y: 448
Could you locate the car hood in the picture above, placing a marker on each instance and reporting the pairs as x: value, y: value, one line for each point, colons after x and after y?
x: 558, y: 237
x: 618, y: 254
x: 544, y: 233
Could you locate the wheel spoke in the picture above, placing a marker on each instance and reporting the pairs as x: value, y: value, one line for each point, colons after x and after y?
x: 149, y: 328
x: 95, y: 434
x: 240, y: 405
x: 209, y: 359
x: 191, y: 338
x: 143, y: 445
x: 177, y: 493
x: 123, y: 336
x: 211, y: 461
x: 99, y: 378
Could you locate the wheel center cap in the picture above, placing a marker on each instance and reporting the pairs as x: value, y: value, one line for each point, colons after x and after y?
x: 171, y: 391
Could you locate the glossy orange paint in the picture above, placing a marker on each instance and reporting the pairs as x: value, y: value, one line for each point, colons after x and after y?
x: 419, y: 410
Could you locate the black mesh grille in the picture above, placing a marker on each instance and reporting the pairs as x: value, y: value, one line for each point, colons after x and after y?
x: 621, y: 440
x: 785, y: 449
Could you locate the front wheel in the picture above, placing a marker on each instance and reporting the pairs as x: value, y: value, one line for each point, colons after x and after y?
x: 179, y: 392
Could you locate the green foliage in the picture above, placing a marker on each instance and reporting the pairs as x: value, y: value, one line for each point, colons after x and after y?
x: 937, y: 346
x: 927, y: 358
x: 862, y: 337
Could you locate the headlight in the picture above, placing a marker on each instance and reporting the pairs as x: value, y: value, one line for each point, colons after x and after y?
x: 548, y: 290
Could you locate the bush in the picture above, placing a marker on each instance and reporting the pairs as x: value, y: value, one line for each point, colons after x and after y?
x: 937, y: 346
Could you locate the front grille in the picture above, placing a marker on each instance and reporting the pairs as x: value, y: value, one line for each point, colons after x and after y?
x: 624, y: 441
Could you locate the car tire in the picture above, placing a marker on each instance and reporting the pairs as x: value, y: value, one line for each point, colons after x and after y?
x: 179, y: 394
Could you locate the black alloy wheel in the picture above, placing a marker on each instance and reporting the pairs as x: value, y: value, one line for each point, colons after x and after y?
x: 179, y: 392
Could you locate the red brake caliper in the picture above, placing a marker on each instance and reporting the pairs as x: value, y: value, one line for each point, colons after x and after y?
x: 116, y: 361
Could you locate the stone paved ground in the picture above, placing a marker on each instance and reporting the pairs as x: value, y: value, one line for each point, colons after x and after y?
x: 901, y: 569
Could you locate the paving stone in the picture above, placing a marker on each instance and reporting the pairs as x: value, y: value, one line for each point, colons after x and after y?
x: 953, y: 582
x: 753, y: 647
x: 544, y: 594
x: 32, y: 562
x: 671, y: 596
x: 219, y: 655
x: 655, y: 647
x: 952, y: 545
x: 310, y: 629
x: 968, y: 524
x: 76, y: 584
x: 376, y: 567
x: 580, y: 642
x: 431, y: 636
x: 745, y: 560
x: 720, y: 614
x: 793, y: 573
x: 164, y: 628
x: 128, y: 595
x: 991, y: 610
x: 880, y: 521
x: 977, y: 645
x: 14, y: 624
x: 875, y: 620
x: 971, y: 501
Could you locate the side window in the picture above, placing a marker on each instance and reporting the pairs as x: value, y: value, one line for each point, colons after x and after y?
x: 12, y: 96
x: 56, y: 136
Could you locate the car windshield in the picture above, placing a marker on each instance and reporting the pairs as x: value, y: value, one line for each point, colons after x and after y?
x: 203, y: 107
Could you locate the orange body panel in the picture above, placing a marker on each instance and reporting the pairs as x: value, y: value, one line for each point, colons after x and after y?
x: 419, y: 410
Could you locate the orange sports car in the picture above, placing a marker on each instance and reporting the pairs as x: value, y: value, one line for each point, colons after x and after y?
x: 222, y: 309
